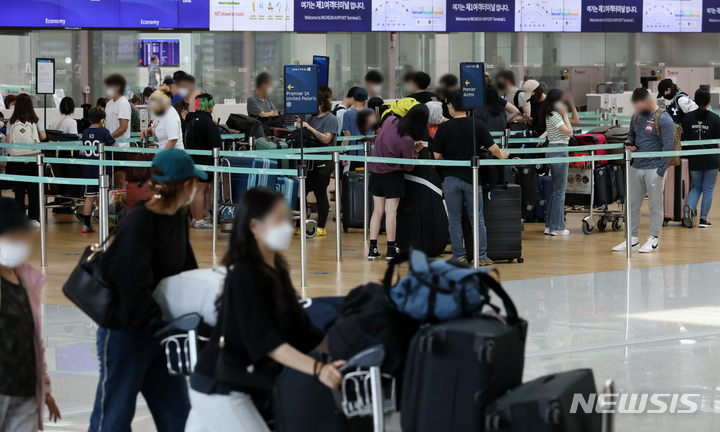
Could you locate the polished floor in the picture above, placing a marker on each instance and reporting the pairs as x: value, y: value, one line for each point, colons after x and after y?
x: 651, y: 330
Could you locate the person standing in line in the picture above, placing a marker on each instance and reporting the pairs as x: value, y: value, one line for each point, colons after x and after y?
x: 373, y: 84
x: 259, y: 104
x: 341, y: 108
x: 151, y: 243
x: 65, y: 123
x: 118, y: 113
x: 397, y: 138
x: 24, y: 382
x: 534, y: 94
x: 154, y: 72
x: 647, y: 175
x: 556, y: 123
x: 93, y: 136
x: 701, y: 124
x: 420, y: 83
x: 448, y: 84
x: 350, y: 125
x: 186, y: 87
x: 492, y: 114
x: 166, y: 126
x: 454, y: 141
x: 505, y: 82
x: 679, y: 103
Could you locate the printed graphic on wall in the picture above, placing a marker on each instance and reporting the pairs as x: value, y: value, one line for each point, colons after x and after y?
x: 480, y: 15
x: 408, y: 15
x: 672, y: 16
x: 251, y: 15
x: 548, y: 15
x: 335, y: 15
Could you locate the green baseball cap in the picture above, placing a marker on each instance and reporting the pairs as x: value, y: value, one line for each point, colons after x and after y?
x: 176, y: 165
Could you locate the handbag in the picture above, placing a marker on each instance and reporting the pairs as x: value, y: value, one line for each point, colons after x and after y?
x: 86, y: 288
x: 235, y: 369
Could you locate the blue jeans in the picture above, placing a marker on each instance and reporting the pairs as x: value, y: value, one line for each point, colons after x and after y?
x: 459, y: 195
x: 129, y: 364
x: 555, y: 219
x: 702, y: 182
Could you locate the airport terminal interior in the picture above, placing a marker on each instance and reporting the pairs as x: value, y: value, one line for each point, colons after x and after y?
x: 650, y: 322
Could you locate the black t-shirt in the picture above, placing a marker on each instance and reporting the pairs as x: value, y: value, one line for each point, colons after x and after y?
x: 146, y: 248
x: 535, y: 114
x: 454, y: 141
x: 260, y: 319
x: 201, y: 134
x: 17, y: 342
x: 695, y: 129
x: 424, y: 96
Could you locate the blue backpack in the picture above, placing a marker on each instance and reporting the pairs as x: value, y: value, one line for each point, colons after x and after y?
x: 440, y: 290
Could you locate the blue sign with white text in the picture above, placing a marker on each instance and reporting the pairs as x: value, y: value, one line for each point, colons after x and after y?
x: 464, y: 16
x: 472, y: 80
x: 612, y: 16
x: 149, y: 13
x: 90, y: 13
x: 353, y: 15
x: 301, y: 89
x: 711, y: 16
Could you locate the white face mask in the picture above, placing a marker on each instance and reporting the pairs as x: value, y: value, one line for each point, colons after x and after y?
x: 110, y: 92
x: 192, y: 196
x: 409, y: 88
x: 184, y: 92
x: 279, y: 237
x: 269, y: 91
x: 13, y: 254
x: 377, y: 88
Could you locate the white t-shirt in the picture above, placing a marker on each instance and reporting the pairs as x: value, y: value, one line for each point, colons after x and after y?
x: 64, y: 123
x: 168, y: 127
x: 114, y: 112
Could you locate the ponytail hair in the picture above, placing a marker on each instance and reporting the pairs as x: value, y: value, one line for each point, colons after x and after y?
x: 702, y: 99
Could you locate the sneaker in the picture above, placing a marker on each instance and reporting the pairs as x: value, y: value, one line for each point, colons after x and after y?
x: 87, y: 229
x: 650, y: 246
x: 687, y: 216
x: 622, y: 246
x: 207, y: 216
x: 704, y: 223
x: 321, y: 232
x: 392, y: 252
x: 374, y: 254
x: 462, y: 259
x: 560, y: 232
x: 486, y: 262
x: 202, y: 224
x: 36, y: 224
x: 297, y: 231
x: 547, y: 231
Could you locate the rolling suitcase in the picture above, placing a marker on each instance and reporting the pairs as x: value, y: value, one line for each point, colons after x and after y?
x: 545, y: 190
x: 503, y: 223
x: 526, y: 177
x: 545, y: 405
x: 273, y: 143
x: 593, y: 139
x: 289, y: 188
x: 455, y: 369
x: 353, y: 207
x: 613, y: 135
x: 677, y: 188
x: 619, y: 182
x: 242, y: 182
x: 605, y: 186
x: 136, y: 192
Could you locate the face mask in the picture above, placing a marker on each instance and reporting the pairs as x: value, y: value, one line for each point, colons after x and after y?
x: 192, y: 196
x: 377, y: 88
x: 500, y: 86
x: 184, y: 92
x: 13, y: 254
x: 668, y: 96
x: 278, y: 238
x: 110, y: 92
x: 646, y: 113
x: 409, y: 88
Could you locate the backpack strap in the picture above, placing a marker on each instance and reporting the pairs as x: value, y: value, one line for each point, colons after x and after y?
x: 656, y: 119
x: 516, y: 98
x: 633, y: 121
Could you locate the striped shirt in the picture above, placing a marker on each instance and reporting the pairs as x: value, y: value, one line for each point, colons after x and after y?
x: 553, y: 123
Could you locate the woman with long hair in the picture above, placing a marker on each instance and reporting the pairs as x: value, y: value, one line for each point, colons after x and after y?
x: 150, y: 244
x: 492, y: 114
x: 25, y: 127
x: 701, y: 124
x: 166, y: 126
x: 260, y: 325
x: 397, y: 138
x: 554, y: 120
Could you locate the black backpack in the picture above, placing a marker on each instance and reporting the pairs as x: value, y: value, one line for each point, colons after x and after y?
x: 308, y: 139
x: 250, y: 126
x: 337, y: 108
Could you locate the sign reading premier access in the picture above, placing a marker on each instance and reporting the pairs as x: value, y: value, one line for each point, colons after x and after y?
x: 472, y: 77
x: 301, y: 89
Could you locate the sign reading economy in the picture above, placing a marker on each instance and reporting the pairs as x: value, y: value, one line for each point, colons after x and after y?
x: 301, y: 89
x: 472, y: 78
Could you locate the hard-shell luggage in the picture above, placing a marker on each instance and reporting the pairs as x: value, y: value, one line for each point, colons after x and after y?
x: 353, y: 207
x: 136, y: 192
x: 546, y: 405
x: 422, y: 222
x: 526, y: 177
x: 289, y: 188
x: 273, y: 143
x: 613, y: 135
x: 605, y: 186
x: 592, y: 139
x: 677, y: 188
x: 503, y: 223
x: 138, y: 174
x: 545, y: 190
x: 242, y: 182
x: 619, y: 182
x: 455, y: 369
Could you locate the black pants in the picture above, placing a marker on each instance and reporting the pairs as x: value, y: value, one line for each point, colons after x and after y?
x: 21, y: 188
x: 318, y: 180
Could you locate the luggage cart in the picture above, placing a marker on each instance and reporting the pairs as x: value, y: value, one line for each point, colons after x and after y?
x: 584, y: 185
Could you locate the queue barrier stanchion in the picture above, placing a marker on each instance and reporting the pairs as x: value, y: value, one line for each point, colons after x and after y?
x: 302, y: 175
x: 101, y: 156
x: 43, y: 215
x: 251, y: 143
x: 366, y: 194
x: 378, y: 408
x: 338, y: 174
x: 504, y: 140
x: 628, y: 198
x: 476, y: 210
x: 614, y: 121
x: 604, y: 116
x: 215, y: 197
x: 103, y: 208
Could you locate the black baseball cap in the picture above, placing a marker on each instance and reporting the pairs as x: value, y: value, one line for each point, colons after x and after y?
x: 664, y: 86
x: 12, y: 217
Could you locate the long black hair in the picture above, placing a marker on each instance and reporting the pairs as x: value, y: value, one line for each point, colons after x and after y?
x: 492, y: 101
x: 256, y: 203
x: 548, y: 105
x: 415, y: 123
x: 702, y: 99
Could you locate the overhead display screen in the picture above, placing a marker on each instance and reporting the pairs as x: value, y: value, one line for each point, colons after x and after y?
x: 664, y: 16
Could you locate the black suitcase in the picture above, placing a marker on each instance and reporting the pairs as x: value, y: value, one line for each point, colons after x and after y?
x: 605, y: 186
x: 455, y: 369
x: 544, y: 405
x: 526, y: 177
x: 619, y: 174
x: 503, y: 223
x: 422, y: 221
x: 353, y: 207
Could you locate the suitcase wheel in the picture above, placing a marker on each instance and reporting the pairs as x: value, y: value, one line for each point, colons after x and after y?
x: 553, y: 414
x: 529, y: 207
x: 526, y: 171
x: 542, y: 202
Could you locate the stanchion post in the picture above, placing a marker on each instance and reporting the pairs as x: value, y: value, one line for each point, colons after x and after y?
x: 302, y: 175
x: 614, y: 121
x: 101, y: 156
x: 628, y: 211
x: 103, y: 208
x: 43, y: 215
x: 604, y: 116
x: 378, y: 409
x: 251, y: 143
x: 338, y: 174
x: 505, y: 137
x: 215, y: 198
x: 608, y: 424
x: 366, y: 193
x: 476, y: 210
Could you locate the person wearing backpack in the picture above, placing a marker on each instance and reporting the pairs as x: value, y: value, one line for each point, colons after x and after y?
x: 25, y: 127
x: 340, y: 109
x: 652, y: 129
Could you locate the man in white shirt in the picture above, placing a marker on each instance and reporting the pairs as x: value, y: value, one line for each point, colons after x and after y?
x: 117, y: 120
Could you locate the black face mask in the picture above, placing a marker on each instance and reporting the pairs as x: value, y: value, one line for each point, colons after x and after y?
x: 500, y: 86
x: 158, y: 113
x: 669, y: 96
